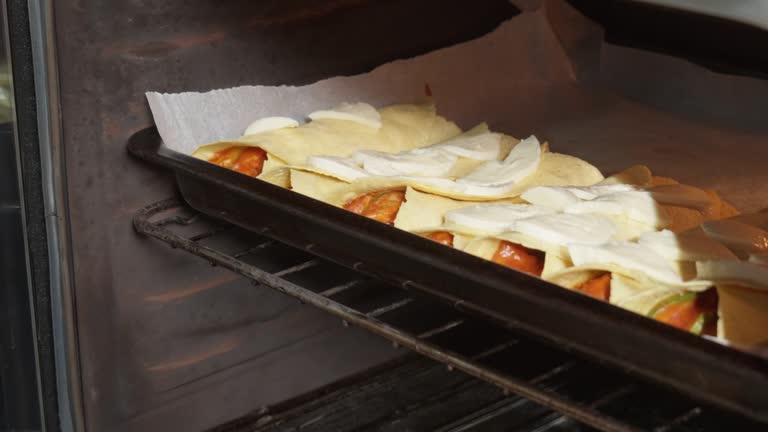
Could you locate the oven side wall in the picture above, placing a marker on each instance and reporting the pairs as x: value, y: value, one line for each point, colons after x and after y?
x: 166, y: 342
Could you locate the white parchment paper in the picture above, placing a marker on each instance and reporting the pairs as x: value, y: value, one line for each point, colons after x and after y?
x: 545, y: 72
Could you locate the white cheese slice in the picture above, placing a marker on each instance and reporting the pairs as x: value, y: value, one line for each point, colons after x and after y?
x: 270, y: 123
x: 492, y: 218
x: 482, y: 191
x: 628, y: 229
x: 452, y: 186
x: 629, y: 256
x: 554, y: 197
x: 484, y: 146
x: 564, y: 229
x: 357, y: 112
x: 638, y: 175
x: 759, y: 219
x: 344, y: 168
x: 551, y: 171
x: 637, y: 205
x: 560, y: 197
x: 440, y: 183
x: 423, y: 164
x: 760, y: 258
x: 742, y: 273
x: 521, y: 162
x: 682, y: 196
x: 592, y: 192
x: 682, y: 247
x: 741, y: 238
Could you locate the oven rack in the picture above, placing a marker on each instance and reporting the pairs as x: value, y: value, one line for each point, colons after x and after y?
x: 409, y: 393
x: 579, y: 388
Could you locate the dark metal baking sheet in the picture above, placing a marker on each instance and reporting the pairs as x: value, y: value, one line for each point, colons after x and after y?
x: 705, y: 370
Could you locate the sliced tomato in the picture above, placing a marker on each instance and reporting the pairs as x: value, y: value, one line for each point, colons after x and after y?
x: 519, y: 257
x: 381, y: 206
x: 681, y: 313
x: 251, y: 161
x: 442, y: 237
x: 598, y: 287
x: 694, y: 312
x: 706, y: 324
x: 226, y: 158
x: 385, y: 206
x: 359, y: 204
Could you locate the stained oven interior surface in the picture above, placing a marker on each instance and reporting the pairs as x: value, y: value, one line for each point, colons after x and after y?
x: 167, y: 343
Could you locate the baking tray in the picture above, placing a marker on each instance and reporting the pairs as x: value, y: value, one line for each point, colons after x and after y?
x: 704, y: 370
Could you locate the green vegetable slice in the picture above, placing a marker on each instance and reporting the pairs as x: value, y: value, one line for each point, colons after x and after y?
x: 677, y: 298
x: 698, y: 327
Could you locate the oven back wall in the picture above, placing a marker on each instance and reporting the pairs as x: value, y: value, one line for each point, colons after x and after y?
x: 166, y: 342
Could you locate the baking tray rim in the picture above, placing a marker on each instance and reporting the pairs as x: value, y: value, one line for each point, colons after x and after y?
x: 146, y: 144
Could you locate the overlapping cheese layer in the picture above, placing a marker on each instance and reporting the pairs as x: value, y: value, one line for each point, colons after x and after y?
x: 344, y: 168
x: 361, y: 113
x: 477, y: 143
x: 270, y: 123
x: 740, y: 273
x: 742, y: 238
x: 684, y: 247
x: 635, y: 258
x: 343, y: 130
x: 565, y: 229
x: 433, y: 163
x: 521, y: 162
x: 644, y: 206
x: 636, y: 205
x: 433, y: 166
x: 437, y: 160
x: 491, y: 218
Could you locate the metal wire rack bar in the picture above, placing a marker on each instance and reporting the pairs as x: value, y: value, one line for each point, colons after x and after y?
x: 516, y: 363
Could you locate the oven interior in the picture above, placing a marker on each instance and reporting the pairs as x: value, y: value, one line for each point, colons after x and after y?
x: 151, y: 337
